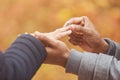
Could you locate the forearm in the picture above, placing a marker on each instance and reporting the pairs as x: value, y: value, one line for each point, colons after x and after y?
x: 81, y: 64
x: 89, y: 66
x: 23, y: 58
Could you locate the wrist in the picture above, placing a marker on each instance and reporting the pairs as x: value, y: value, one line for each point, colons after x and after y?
x: 60, y: 60
x: 103, y: 47
x: 64, y: 59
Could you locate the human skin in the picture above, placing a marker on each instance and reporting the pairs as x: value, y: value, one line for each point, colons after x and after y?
x: 57, y: 51
x: 85, y: 35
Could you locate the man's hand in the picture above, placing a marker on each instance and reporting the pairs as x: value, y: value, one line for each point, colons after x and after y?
x: 85, y: 35
x: 57, y: 51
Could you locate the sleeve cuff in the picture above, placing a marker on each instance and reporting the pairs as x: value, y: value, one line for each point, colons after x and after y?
x: 87, y: 66
x: 73, y: 62
x: 102, y: 67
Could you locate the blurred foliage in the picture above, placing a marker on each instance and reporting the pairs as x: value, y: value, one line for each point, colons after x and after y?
x: 20, y: 16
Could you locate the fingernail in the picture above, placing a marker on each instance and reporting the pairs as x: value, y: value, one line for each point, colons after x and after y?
x: 67, y: 24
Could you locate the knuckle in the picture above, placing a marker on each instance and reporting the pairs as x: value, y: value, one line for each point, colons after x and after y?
x: 85, y: 17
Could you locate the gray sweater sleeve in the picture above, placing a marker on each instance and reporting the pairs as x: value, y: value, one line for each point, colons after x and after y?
x: 89, y: 66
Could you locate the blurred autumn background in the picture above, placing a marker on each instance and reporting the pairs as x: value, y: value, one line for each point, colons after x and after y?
x: 20, y: 16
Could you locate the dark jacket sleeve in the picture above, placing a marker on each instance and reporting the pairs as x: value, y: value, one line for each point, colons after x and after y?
x: 114, y: 48
x: 22, y: 59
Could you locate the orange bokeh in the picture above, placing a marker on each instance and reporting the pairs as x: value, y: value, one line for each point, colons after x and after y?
x: 20, y: 16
